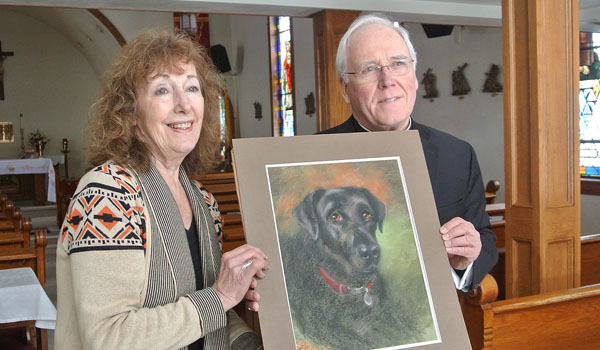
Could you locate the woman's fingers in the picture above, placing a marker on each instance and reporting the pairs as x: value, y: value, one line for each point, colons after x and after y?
x: 237, y: 272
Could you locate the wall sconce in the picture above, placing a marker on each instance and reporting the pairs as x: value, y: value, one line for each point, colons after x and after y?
x: 188, y: 23
x: 6, y: 132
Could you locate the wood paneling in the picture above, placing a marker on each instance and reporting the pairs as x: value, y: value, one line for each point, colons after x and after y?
x: 329, y: 26
x: 540, y: 47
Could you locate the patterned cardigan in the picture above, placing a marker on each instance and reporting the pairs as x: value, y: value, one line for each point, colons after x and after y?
x: 124, y: 271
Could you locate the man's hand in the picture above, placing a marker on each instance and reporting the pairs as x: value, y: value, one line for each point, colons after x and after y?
x: 462, y: 242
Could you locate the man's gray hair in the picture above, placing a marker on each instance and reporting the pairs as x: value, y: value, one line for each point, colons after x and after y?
x: 364, y: 20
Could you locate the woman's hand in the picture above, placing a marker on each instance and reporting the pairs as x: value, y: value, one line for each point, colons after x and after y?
x: 237, y: 276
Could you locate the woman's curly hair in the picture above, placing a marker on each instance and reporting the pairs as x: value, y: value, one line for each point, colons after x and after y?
x: 112, y: 134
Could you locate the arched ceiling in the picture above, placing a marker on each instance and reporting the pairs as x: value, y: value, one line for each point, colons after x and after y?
x: 81, y: 28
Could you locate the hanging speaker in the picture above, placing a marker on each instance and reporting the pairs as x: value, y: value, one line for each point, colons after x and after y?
x: 218, y: 54
x: 437, y: 30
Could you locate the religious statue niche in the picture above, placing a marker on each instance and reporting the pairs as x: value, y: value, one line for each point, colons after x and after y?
x: 491, y: 83
x: 3, y: 56
x: 460, y: 85
x: 429, y: 80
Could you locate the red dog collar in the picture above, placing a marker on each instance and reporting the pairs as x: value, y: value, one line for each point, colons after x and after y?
x: 344, y: 289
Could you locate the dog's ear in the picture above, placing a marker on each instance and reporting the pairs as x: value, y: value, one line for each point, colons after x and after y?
x: 378, y: 207
x: 304, y: 213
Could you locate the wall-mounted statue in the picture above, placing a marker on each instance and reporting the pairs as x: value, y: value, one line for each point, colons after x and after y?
x: 257, y: 110
x: 460, y: 85
x: 309, y: 101
x: 491, y: 82
x: 429, y: 80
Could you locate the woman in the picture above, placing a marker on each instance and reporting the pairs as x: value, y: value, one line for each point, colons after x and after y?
x: 139, y: 262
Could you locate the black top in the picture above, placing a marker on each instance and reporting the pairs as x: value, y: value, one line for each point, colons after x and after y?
x: 192, y: 238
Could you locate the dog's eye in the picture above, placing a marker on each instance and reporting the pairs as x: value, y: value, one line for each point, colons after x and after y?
x: 367, y: 216
x: 335, y: 217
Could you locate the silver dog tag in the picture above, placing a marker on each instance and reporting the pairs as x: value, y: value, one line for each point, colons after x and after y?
x: 368, y: 299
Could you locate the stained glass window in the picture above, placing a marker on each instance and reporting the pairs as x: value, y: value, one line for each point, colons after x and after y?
x: 223, y: 122
x: 589, y: 110
x: 282, y: 74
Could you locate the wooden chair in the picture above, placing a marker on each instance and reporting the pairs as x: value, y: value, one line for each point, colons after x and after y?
x: 14, y: 335
x: 18, y: 239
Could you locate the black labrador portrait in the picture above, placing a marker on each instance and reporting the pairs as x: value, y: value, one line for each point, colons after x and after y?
x: 337, y: 296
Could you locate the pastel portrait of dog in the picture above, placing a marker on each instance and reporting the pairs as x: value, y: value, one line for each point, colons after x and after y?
x: 343, y: 289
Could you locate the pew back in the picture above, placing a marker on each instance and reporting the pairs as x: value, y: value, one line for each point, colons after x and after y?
x: 223, y: 187
x: 568, y: 319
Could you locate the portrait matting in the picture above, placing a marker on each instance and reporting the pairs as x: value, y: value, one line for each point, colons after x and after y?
x: 351, y: 230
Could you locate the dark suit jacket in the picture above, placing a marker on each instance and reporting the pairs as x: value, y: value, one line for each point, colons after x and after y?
x: 457, y: 186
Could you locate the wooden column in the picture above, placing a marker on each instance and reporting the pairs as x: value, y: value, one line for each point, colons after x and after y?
x: 541, y: 140
x: 329, y: 26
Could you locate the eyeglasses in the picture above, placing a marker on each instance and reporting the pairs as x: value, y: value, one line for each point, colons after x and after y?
x: 370, y: 72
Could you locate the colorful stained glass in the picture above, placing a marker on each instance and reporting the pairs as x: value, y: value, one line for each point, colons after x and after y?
x: 283, y: 44
x: 223, y: 132
x: 589, y: 123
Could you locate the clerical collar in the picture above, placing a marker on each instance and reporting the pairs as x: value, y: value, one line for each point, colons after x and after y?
x: 408, y: 128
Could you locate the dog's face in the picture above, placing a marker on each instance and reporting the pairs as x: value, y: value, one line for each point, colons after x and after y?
x: 343, y: 220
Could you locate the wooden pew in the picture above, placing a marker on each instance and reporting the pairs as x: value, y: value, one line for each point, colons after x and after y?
x: 222, y: 186
x: 18, y: 239
x: 12, y: 221
x: 568, y: 319
x: 65, y: 188
x: 490, y: 191
x: 590, y: 259
x: 34, y: 257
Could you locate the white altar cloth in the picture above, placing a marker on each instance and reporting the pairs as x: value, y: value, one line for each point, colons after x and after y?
x: 32, y: 166
x: 22, y: 298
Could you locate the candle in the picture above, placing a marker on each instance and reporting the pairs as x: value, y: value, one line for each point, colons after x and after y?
x: 65, y: 144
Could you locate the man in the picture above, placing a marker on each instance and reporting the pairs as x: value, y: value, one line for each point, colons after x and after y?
x: 376, y: 63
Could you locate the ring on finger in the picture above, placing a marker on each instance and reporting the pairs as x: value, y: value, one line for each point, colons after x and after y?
x: 246, y: 265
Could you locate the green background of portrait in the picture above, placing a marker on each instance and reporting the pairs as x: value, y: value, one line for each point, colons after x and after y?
x: 399, y: 265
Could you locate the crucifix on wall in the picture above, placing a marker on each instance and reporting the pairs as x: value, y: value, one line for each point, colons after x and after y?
x: 3, y: 56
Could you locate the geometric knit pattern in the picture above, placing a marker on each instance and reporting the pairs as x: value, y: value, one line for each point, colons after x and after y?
x: 106, y: 212
x: 209, y: 199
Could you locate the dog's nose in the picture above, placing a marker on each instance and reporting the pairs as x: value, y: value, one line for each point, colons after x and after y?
x: 368, y: 252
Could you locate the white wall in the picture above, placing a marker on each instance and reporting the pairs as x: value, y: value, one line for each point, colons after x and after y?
x: 478, y: 118
x: 131, y: 23
x: 50, y: 82
x: 304, y: 74
x: 247, y: 43
x: 590, y: 220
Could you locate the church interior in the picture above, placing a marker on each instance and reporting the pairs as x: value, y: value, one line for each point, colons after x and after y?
x: 521, y: 60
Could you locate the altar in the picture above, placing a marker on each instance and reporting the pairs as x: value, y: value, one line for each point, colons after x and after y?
x: 44, y: 176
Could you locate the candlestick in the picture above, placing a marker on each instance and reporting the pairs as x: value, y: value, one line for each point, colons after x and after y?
x: 22, y: 132
x: 65, y: 144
